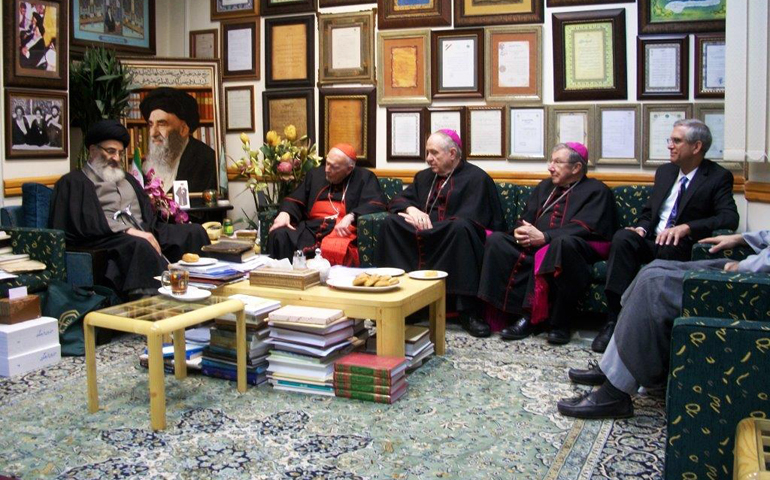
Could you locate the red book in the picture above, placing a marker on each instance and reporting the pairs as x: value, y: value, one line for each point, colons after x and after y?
x: 372, y: 397
x: 374, y: 365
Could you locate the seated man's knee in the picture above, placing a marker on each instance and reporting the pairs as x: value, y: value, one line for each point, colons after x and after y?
x: 566, y: 242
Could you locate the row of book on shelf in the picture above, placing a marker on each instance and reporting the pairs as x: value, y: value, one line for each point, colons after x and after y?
x: 205, y: 100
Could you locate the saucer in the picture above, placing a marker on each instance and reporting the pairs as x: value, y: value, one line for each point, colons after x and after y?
x: 191, y: 295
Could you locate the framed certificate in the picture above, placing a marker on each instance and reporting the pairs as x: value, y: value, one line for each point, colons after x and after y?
x: 657, y: 124
x: 486, y: 133
x: 515, y: 64
x: 230, y: 9
x: 280, y: 7
x: 204, y: 43
x: 710, y: 65
x: 240, y: 49
x: 478, y: 13
x: 617, y: 129
x: 346, y: 48
x: 403, y: 68
x: 572, y: 123
x: 713, y: 115
x: 405, y: 134
x: 239, y: 109
x: 457, y: 63
x: 289, y: 107
x: 452, y: 118
x: 526, y: 132
x: 589, y: 59
x: 290, y: 51
x: 355, y: 121
x: 672, y: 16
x: 663, y: 68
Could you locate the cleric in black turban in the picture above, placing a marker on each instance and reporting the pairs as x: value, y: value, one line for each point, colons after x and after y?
x: 171, y: 100
x: 107, y: 130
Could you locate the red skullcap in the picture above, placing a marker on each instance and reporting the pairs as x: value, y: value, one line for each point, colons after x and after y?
x: 347, y: 149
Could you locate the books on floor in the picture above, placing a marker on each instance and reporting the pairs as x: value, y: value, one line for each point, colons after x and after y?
x: 372, y: 378
x: 28, y: 346
x: 417, y: 346
x: 308, y: 315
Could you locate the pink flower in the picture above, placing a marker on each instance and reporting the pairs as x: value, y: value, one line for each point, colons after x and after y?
x: 284, y: 167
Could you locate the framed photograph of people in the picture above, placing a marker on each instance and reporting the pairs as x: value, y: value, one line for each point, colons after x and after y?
x: 526, y: 132
x: 239, y: 109
x: 34, y: 32
x: 406, y: 134
x: 232, y: 9
x: 346, y: 48
x: 413, y: 13
x: 589, y: 55
x: 572, y: 123
x: 290, y: 52
x: 281, y: 7
x: 181, y: 194
x: 204, y: 43
x: 289, y: 107
x: 663, y: 72
x: 452, y: 118
x: 657, y: 124
x: 457, y: 63
x: 403, y: 68
x: 477, y: 13
x: 240, y: 49
x: 124, y: 26
x: 355, y: 121
x: 515, y: 64
x: 713, y: 115
x: 618, y: 138
x: 36, y: 124
x: 710, y: 65
x: 486, y: 133
x: 675, y: 16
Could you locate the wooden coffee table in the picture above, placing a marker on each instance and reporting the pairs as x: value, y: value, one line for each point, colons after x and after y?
x: 387, y: 309
x: 155, y: 317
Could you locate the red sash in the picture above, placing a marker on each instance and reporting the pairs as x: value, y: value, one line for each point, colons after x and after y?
x: 337, y: 250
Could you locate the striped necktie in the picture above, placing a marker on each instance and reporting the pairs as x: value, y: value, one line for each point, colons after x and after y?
x: 675, y: 211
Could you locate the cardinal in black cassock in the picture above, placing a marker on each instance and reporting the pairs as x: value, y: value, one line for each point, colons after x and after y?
x: 322, y: 211
x: 100, y: 207
x: 541, y: 270
x: 442, y: 221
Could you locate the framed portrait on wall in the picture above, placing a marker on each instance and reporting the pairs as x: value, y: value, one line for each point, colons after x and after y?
x: 36, y: 124
x: 663, y: 68
x: 478, y: 13
x: 405, y: 134
x: 486, y: 132
x: 710, y: 75
x: 413, y: 13
x: 204, y: 43
x: 572, y: 123
x: 240, y: 49
x: 617, y: 131
x: 355, y: 121
x: 33, y: 33
x: 671, y: 16
x: 239, y: 109
x: 515, y: 64
x: 403, y: 68
x: 346, y: 47
x: 289, y: 107
x: 290, y: 52
x: 125, y: 26
x: 526, y: 132
x: 657, y: 124
x: 457, y: 63
x: 231, y: 9
x: 589, y: 60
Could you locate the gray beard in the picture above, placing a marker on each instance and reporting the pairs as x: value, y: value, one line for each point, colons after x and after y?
x: 109, y: 174
x: 163, y: 158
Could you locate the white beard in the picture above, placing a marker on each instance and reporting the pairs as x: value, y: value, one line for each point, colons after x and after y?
x: 164, y: 159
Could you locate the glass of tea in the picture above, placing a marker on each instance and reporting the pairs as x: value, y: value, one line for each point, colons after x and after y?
x: 176, y: 279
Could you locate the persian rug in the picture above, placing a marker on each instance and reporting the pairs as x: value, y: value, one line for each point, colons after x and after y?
x: 486, y: 410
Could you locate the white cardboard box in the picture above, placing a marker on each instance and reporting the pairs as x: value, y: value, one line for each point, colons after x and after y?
x: 26, y: 362
x: 28, y: 336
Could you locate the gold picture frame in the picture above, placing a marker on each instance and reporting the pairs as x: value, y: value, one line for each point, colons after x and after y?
x: 403, y: 68
x: 657, y: 124
x: 620, y: 122
x: 563, y: 127
x: 346, y: 46
x: 518, y: 77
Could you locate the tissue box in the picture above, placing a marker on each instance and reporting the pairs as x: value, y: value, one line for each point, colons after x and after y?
x: 284, y: 278
x: 19, y: 309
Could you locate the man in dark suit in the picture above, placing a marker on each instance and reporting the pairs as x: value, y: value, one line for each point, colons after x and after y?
x: 691, y: 197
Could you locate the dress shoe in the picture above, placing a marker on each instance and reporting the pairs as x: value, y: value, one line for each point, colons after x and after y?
x: 475, y: 326
x: 593, y: 375
x: 559, y: 336
x: 521, y: 329
x: 592, y: 407
x: 601, y: 341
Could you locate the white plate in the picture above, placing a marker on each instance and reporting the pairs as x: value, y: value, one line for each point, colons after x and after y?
x: 421, y: 274
x: 191, y: 295
x: 347, y: 284
x: 393, y: 272
x: 202, y: 262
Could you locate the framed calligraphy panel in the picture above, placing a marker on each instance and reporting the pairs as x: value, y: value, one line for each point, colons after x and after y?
x: 290, y: 51
x: 403, y: 68
x: 289, y: 107
x: 355, y: 121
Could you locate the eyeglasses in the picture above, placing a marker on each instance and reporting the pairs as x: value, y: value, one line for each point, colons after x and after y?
x: 558, y: 162
x: 674, y: 141
x: 112, y: 152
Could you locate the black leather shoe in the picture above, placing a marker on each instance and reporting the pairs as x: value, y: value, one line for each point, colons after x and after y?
x: 593, y: 375
x: 521, y: 329
x: 590, y: 408
x: 601, y: 341
x: 559, y: 336
x: 475, y: 326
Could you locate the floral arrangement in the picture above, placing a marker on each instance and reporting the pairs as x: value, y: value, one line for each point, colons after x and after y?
x: 162, y: 204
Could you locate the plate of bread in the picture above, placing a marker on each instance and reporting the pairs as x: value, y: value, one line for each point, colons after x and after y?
x: 365, y: 283
x: 194, y: 260
x: 428, y: 274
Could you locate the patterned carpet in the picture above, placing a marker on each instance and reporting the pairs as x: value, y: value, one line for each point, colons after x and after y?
x: 487, y: 410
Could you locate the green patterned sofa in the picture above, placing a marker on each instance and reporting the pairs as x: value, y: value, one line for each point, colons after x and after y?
x: 719, y: 369
x: 43, y: 245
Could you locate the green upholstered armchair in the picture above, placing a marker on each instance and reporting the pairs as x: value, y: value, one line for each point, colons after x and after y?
x: 43, y: 245
x: 719, y: 370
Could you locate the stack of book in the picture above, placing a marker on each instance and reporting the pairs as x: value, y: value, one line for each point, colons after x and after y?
x: 28, y: 346
x: 306, y: 341
x: 193, y: 356
x: 230, y: 250
x: 213, y: 276
x: 220, y: 357
x: 418, y: 346
x: 372, y: 378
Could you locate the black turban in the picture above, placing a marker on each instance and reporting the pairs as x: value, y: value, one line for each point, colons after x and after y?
x: 171, y: 100
x: 107, y: 130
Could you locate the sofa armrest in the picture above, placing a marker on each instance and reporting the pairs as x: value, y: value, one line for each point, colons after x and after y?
x: 368, y: 233
x: 700, y: 251
x: 12, y: 216
x: 726, y: 295
x: 41, y: 244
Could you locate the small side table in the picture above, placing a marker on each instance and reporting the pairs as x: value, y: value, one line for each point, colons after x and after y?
x: 155, y: 317
x: 752, y: 458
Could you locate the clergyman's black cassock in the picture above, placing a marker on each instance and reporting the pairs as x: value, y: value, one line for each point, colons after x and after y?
x: 467, y: 206
x: 363, y: 196
x: 585, y: 213
x: 132, y: 263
